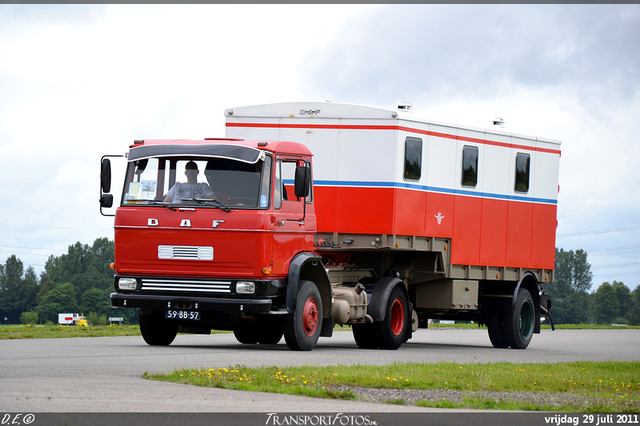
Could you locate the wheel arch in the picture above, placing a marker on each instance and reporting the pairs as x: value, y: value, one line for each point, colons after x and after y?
x: 380, y: 294
x: 308, y: 267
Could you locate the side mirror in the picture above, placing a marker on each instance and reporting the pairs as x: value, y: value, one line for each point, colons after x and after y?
x: 302, y: 181
x: 106, y: 201
x: 105, y: 176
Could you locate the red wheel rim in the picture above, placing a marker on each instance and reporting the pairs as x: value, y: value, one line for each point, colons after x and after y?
x: 397, y: 317
x: 310, y: 316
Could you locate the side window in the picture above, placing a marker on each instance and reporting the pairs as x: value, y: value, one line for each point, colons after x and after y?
x: 470, y: 166
x: 412, y: 158
x: 523, y: 164
x: 285, y: 175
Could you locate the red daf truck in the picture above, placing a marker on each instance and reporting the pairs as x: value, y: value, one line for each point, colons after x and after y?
x: 309, y: 215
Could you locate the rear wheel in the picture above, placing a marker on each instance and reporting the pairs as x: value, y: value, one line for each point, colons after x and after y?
x: 520, y: 322
x: 495, y: 325
x: 393, y: 329
x: 156, y: 329
x: 302, y: 326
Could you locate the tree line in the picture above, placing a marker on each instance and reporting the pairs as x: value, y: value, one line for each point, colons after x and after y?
x: 81, y: 280
x: 573, y: 303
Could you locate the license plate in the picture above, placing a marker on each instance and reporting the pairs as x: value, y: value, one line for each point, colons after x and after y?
x: 182, y: 315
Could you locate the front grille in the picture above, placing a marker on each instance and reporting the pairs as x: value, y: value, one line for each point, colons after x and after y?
x: 185, y: 252
x: 185, y: 286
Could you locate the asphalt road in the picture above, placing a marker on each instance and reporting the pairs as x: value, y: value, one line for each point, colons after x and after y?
x: 104, y: 374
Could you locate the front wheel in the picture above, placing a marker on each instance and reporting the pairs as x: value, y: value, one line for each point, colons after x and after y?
x: 246, y: 335
x: 156, y: 329
x: 266, y: 331
x: 302, y: 326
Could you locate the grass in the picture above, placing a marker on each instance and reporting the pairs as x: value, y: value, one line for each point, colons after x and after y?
x: 598, y: 386
x: 28, y: 331
x: 547, y: 326
x: 57, y: 331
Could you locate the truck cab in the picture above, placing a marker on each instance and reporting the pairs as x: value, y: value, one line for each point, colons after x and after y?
x: 206, y: 234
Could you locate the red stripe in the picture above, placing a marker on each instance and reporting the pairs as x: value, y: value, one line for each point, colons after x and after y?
x: 401, y: 128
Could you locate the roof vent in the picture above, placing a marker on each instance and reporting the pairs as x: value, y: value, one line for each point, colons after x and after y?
x: 499, y: 122
x: 404, y: 106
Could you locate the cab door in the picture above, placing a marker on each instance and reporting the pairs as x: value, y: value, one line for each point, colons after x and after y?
x: 294, y: 225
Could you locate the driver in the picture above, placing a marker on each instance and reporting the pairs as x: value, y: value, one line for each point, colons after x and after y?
x: 191, y: 189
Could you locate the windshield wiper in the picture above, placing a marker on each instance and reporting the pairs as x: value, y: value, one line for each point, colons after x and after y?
x: 207, y: 201
x: 163, y: 204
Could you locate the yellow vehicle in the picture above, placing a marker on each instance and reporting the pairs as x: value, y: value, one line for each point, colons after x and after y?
x: 73, y: 319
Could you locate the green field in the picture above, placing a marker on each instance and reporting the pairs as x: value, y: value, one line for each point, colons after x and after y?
x: 22, y: 331
x: 54, y: 331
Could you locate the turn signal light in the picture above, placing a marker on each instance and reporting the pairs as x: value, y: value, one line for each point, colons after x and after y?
x: 266, y: 270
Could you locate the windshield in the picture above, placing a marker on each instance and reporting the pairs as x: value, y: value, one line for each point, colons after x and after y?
x: 201, y: 181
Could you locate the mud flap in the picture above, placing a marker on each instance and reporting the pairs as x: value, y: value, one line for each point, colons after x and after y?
x: 545, y: 308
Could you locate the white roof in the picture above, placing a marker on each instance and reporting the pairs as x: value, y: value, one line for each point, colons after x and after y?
x: 334, y: 110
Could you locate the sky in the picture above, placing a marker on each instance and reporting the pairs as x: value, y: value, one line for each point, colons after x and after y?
x: 81, y: 81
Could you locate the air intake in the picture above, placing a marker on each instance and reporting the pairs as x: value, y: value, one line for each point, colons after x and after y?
x: 185, y: 252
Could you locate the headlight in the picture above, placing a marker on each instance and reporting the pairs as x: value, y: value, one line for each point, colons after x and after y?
x: 127, y: 283
x: 245, y: 287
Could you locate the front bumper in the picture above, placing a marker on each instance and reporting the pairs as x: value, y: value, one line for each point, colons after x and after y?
x: 147, y: 301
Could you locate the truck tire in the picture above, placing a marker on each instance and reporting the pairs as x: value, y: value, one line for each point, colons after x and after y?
x: 246, y: 335
x: 497, y: 334
x: 302, y: 326
x: 270, y: 330
x: 364, y: 335
x: 520, y: 322
x: 266, y: 331
x: 156, y: 329
x: 391, y: 332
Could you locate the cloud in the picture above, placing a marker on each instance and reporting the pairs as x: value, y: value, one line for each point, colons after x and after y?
x: 571, y: 72
x: 483, y: 51
x: 80, y: 81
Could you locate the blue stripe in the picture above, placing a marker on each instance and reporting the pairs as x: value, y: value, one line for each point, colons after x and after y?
x: 436, y: 189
